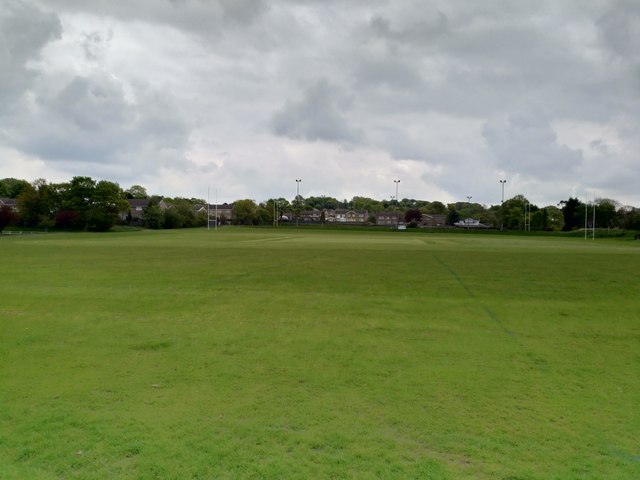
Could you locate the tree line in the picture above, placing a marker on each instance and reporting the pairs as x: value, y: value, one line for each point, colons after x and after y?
x: 87, y: 204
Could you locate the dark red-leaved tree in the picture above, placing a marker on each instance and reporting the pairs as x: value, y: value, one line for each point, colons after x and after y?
x: 7, y: 216
x: 412, y: 215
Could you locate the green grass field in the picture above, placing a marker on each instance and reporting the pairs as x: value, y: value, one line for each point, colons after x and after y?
x: 254, y: 353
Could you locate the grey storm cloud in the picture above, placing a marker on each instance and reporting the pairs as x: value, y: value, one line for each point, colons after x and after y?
x: 90, y: 120
x: 24, y: 31
x: 319, y: 115
x: 527, y: 144
x: 86, y: 119
x: 421, y: 89
x: 620, y: 28
x: 195, y: 16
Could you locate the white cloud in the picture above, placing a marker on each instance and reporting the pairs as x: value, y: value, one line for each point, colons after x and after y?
x: 526, y: 144
x: 319, y: 115
x: 24, y: 30
x: 447, y: 96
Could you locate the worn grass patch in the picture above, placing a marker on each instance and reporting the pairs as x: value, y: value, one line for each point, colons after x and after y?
x: 249, y: 353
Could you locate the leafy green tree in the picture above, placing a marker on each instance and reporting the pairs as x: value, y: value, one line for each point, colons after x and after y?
x: 297, y: 206
x: 201, y: 219
x: 365, y: 203
x: 173, y: 219
x: 105, y: 203
x: 488, y: 217
x: 12, y: 187
x: 321, y: 203
x: 38, y: 204
x: 452, y: 215
x: 136, y: 191
x: 467, y: 209
x: 276, y: 208
x: 573, y: 213
x: 270, y: 211
x: 78, y: 194
x: 606, y: 213
x: 244, y: 212
x: 412, y: 203
x: 98, y: 219
x: 283, y: 207
x: 629, y: 218
x: 435, y: 208
x: 109, y: 195
x: 29, y: 205
x: 68, y: 220
x: 264, y: 214
x: 186, y: 216
x: 554, y: 219
x: 539, y: 219
x: 512, y: 211
x: 153, y: 216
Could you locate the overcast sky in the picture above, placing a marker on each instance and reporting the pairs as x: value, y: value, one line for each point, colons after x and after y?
x: 246, y: 96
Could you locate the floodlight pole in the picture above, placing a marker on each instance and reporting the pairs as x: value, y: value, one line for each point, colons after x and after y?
x: 297, y: 195
x: 502, y: 182
x: 208, y: 209
x: 397, y: 182
x: 593, y: 226
x: 216, y: 225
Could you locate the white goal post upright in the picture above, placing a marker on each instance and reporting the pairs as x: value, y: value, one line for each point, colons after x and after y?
x: 593, y: 222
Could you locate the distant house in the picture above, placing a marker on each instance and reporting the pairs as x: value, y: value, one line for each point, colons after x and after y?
x: 347, y: 216
x: 390, y: 219
x: 137, y: 207
x: 470, y: 223
x: 9, y: 202
x: 433, y: 220
x: 311, y: 216
x: 223, y: 210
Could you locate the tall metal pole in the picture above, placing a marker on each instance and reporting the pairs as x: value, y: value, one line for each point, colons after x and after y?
x: 593, y: 226
x: 397, y: 182
x: 208, y: 208
x: 216, y: 226
x: 297, y: 195
x: 502, y: 182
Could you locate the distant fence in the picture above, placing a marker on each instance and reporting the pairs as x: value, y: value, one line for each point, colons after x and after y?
x: 20, y: 232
